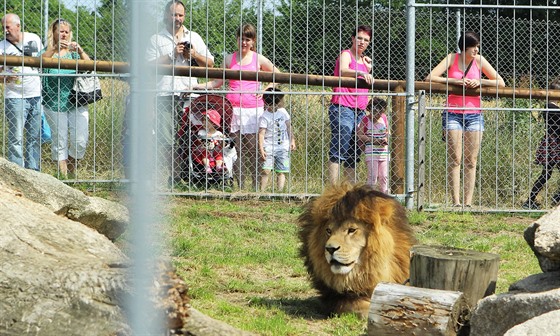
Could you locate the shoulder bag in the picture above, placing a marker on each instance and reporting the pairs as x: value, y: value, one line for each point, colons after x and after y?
x: 86, y: 90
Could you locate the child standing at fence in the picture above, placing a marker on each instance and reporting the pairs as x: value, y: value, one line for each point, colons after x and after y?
x: 548, y: 152
x: 374, y: 132
x: 275, y: 139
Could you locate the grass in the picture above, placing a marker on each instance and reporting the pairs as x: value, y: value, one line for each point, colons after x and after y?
x: 241, y: 261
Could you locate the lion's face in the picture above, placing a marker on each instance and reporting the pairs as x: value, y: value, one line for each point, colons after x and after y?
x: 354, y: 237
x: 344, y: 245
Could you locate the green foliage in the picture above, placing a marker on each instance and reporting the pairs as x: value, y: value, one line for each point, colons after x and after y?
x: 217, y: 23
x: 112, y: 37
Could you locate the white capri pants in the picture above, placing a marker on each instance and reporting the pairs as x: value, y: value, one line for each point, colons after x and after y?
x: 73, y: 124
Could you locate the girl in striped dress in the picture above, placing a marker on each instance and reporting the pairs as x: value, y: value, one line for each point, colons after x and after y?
x: 374, y: 133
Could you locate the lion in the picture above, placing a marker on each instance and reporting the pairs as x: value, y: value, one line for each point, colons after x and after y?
x: 354, y: 237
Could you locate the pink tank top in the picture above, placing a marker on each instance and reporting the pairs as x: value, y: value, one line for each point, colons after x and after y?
x: 352, y: 101
x: 460, y: 100
x: 245, y: 100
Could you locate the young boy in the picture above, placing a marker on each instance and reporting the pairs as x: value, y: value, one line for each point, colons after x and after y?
x: 275, y: 139
x: 374, y: 132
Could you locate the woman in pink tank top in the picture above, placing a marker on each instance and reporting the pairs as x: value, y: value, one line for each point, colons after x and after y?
x: 462, y: 120
x: 247, y: 102
x: 347, y: 109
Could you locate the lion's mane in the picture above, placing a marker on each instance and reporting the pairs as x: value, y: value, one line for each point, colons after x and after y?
x: 385, y: 256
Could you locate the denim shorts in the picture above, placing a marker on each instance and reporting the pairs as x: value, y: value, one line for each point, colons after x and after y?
x: 277, y: 159
x: 343, y: 146
x: 466, y: 122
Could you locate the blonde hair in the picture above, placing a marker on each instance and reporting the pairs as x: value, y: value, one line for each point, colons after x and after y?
x: 54, y: 25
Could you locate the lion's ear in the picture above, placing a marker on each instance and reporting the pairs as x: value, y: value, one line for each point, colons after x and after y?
x: 372, y: 207
x: 385, y: 208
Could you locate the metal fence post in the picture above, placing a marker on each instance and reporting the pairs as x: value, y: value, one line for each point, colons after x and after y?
x: 410, y: 69
x: 143, y: 317
x: 421, y: 150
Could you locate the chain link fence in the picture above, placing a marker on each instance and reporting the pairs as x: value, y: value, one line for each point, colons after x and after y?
x: 305, y: 37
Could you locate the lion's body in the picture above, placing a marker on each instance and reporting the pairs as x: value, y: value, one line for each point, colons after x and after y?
x: 353, y: 238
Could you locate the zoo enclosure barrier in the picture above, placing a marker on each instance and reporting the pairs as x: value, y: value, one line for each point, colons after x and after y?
x: 288, y: 33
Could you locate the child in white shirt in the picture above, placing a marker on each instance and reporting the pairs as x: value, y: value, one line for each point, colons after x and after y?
x: 275, y: 139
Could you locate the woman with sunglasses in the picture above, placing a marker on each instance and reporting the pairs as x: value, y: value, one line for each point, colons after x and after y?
x: 462, y: 119
x: 69, y: 123
x: 347, y: 109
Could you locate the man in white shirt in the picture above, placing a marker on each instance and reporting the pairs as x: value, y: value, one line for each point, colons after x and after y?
x: 22, y: 95
x: 174, y: 45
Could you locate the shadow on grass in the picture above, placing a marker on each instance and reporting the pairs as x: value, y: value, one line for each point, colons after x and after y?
x: 309, y: 308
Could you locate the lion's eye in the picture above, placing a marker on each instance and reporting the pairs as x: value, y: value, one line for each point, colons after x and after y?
x: 329, y: 231
x: 351, y: 230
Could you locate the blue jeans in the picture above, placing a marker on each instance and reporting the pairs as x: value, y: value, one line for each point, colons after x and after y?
x: 344, y: 122
x: 24, y: 113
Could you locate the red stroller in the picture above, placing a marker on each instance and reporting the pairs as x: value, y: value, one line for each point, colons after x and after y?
x: 207, y: 158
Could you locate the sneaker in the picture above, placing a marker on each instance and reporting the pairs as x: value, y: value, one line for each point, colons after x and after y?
x: 531, y: 205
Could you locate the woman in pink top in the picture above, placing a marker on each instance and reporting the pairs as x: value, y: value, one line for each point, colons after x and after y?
x: 462, y: 119
x: 247, y: 102
x: 347, y: 109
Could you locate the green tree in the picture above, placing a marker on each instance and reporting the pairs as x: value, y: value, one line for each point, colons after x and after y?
x: 217, y: 22
x: 112, y: 33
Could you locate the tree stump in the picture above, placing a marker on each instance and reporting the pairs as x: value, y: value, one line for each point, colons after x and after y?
x: 471, y: 272
x: 405, y: 310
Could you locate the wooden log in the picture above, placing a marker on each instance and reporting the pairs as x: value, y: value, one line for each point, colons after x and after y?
x: 405, y: 310
x: 471, y: 272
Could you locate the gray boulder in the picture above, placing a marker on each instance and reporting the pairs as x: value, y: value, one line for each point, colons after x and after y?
x: 58, y: 277
x: 496, y: 314
x: 537, y: 283
x: 547, y: 324
x: 108, y: 218
x: 543, y: 237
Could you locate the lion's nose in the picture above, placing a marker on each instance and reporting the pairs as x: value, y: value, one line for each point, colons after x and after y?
x: 331, y: 249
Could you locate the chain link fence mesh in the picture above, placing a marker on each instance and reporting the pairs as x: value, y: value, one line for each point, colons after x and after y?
x: 305, y: 37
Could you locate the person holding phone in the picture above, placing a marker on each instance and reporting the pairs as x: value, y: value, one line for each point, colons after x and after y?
x: 462, y: 120
x: 69, y: 123
x: 178, y: 46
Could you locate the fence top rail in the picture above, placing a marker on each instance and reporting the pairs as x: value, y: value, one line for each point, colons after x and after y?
x: 283, y: 77
x: 470, y: 6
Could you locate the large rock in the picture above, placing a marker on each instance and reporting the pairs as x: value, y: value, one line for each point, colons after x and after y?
x: 537, y: 283
x: 496, y: 314
x: 543, y: 237
x: 57, y: 276
x: 108, y: 218
x: 198, y: 324
x: 547, y: 324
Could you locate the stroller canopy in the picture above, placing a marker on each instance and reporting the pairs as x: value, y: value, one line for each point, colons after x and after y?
x: 201, y: 104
